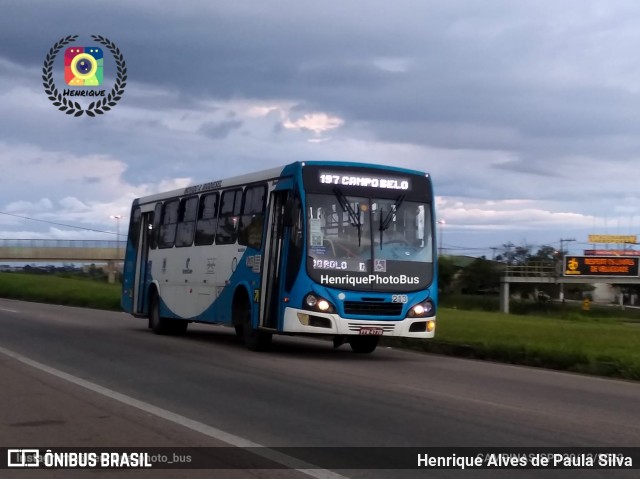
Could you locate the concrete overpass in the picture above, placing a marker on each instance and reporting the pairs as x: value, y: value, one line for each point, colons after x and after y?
x: 110, y: 253
x: 549, y: 274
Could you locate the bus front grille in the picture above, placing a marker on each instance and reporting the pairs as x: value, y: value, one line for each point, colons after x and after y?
x: 373, y: 308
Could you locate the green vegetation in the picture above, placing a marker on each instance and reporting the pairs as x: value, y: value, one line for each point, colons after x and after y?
x: 70, y: 291
x: 602, y: 346
x: 554, y: 309
x: 601, y: 341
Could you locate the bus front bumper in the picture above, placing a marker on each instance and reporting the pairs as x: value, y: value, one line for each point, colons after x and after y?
x: 310, y: 322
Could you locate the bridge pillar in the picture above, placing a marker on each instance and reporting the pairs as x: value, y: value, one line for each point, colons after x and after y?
x: 504, y: 297
x: 111, y: 268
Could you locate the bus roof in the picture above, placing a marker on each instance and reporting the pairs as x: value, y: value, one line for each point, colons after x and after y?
x: 264, y: 175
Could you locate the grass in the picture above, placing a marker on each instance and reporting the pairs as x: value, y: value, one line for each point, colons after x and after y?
x: 56, y: 290
x: 595, y: 343
x: 549, y: 309
x: 602, y: 346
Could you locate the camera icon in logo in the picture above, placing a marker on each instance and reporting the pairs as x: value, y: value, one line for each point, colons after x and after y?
x: 83, y: 66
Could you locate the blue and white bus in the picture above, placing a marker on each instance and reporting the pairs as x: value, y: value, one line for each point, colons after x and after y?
x: 344, y: 250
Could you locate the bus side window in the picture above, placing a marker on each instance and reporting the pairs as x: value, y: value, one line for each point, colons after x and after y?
x: 169, y: 223
x: 187, y: 221
x: 155, y: 230
x: 207, y: 213
x: 227, y: 230
x: 252, y: 217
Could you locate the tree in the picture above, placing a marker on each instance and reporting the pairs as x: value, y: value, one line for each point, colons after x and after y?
x: 481, y: 276
x: 545, y: 255
x: 514, y: 255
x: 446, y: 273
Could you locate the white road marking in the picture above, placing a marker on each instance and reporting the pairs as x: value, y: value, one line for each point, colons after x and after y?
x: 9, y: 310
x: 231, y: 439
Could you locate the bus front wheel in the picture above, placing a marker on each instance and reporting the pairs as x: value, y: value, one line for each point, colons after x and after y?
x: 254, y: 339
x: 363, y: 344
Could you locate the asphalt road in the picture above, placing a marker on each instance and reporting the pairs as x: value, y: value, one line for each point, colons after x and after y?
x: 304, y: 393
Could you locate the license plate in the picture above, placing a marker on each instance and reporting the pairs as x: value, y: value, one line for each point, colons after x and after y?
x: 371, y: 331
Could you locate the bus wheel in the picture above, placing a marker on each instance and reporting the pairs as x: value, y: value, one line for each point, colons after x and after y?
x: 239, y: 331
x: 363, y: 344
x: 254, y: 339
x: 158, y: 324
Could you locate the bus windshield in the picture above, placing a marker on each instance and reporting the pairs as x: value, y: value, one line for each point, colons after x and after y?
x: 362, y: 236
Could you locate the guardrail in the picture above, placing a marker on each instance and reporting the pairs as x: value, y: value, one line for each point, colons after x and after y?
x: 531, y: 270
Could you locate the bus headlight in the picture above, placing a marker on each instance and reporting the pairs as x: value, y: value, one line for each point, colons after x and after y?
x: 317, y: 303
x: 323, y: 305
x: 422, y: 310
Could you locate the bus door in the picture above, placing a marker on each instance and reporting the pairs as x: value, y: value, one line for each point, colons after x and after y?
x: 142, y: 257
x: 274, y: 261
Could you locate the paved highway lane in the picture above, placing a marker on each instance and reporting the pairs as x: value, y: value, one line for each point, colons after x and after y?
x: 304, y: 393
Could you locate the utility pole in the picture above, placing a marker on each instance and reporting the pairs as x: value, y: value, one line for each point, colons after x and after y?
x: 562, y: 242
x: 117, y: 218
x: 440, y: 243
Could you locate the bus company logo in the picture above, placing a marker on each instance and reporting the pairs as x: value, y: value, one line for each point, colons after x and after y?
x: 186, y: 269
x: 211, y: 265
x: 83, y: 72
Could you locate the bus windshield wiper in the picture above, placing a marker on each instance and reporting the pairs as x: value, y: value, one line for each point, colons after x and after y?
x: 384, y: 224
x: 353, y: 216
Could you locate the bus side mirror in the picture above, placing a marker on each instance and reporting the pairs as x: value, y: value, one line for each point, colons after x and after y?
x: 288, y: 215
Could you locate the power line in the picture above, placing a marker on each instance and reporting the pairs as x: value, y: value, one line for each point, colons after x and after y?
x: 57, y: 224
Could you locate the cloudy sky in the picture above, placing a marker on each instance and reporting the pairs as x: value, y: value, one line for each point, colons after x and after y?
x: 527, y: 114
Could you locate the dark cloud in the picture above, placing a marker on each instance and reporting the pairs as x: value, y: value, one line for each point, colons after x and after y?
x: 472, y: 77
x: 217, y: 131
x: 465, y: 65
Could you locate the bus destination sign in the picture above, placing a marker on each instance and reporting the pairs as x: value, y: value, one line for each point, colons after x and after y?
x: 601, y: 266
x: 368, y: 181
